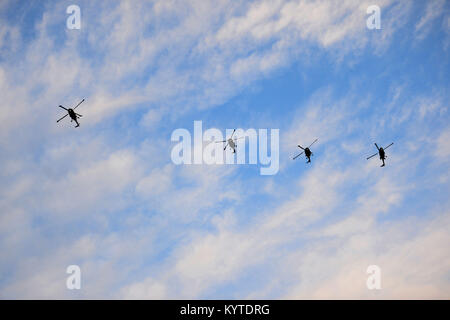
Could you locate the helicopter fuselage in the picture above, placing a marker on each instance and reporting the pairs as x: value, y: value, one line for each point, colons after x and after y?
x: 308, y: 152
x: 382, y: 154
x: 231, y: 144
x: 72, y: 114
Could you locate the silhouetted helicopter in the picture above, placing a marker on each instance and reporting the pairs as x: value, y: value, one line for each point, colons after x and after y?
x: 73, y: 115
x: 307, y: 152
x: 230, y: 142
x: 381, y: 153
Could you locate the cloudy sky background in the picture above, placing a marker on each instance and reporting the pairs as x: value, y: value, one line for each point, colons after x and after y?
x: 107, y: 197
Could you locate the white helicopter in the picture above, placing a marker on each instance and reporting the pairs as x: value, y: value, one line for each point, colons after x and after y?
x: 230, y: 142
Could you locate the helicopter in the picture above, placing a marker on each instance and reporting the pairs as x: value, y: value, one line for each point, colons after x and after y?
x: 73, y: 115
x: 381, y: 153
x: 230, y: 142
x: 307, y: 152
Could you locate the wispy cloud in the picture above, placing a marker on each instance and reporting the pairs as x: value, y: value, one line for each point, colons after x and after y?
x: 107, y: 197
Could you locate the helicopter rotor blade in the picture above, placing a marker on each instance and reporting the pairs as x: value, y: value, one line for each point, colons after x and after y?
x: 377, y: 146
x: 233, y: 133
x: 389, y: 146
x: 372, y: 156
x: 221, y: 141
x: 62, y: 118
x: 62, y: 107
x: 297, y: 156
x: 238, y: 138
x: 225, y: 147
x: 313, y: 143
x: 78, y: 114
x: 78, y: 104
x: 300, y: 147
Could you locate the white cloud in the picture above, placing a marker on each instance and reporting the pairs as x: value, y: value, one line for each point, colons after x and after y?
x: 146, y: 290
x: 65, y: 193
x: 318, y: 242
x: 442, y: 149
x: 433, y: 10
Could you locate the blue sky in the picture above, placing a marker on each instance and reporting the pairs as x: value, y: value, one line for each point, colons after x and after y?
x: 107, y: 197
